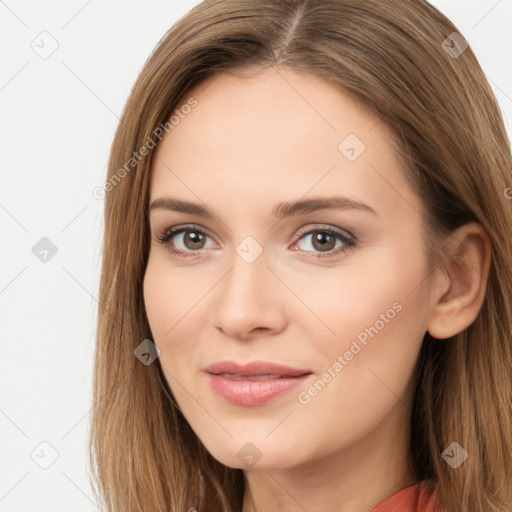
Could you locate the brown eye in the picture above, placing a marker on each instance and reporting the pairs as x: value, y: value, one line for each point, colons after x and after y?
x: 323, y: 241
x: 194, y: 239
x: 326, y: 242
x: 190, y: 240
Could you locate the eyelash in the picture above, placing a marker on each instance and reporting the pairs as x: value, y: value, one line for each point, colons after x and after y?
x: 349, y: 241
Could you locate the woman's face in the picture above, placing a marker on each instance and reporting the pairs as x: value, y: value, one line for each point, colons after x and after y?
x: 338, y: 293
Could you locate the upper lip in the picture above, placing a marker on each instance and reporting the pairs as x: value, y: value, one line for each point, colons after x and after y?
x: 255, y: 368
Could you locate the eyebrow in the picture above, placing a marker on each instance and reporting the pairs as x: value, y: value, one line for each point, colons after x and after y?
x: 280, y: 211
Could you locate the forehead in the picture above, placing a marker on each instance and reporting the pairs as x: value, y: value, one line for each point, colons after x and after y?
x: 277, y: 135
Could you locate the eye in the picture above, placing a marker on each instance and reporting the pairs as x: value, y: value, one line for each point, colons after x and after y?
x: 193, y: 239
x: 324, y: 239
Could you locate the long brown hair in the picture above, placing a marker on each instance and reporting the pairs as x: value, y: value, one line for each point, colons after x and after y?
x: 401, y: 58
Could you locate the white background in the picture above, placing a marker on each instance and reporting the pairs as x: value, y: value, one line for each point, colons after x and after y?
x: 58, y: 118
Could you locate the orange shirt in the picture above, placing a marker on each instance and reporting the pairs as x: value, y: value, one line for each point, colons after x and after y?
x: 418, y: 497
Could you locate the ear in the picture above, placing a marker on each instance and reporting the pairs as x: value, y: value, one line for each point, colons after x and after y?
x: 458, y: 296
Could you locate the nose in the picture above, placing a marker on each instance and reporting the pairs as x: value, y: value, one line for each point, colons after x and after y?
x: 250, y: 299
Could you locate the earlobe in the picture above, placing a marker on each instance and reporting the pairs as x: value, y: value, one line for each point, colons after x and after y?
x: 456, y: 306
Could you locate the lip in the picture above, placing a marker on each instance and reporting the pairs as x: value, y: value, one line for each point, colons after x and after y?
x: 232, y: 381
x: 255, y: 368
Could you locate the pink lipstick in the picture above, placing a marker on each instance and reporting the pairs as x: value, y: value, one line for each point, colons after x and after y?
x: 253, y: 383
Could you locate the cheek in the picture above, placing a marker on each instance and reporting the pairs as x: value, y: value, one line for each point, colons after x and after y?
x: 375, y: 311
x: 175, y: 305
x: 387, y: 310
x: 378, y: 314
x: 374, y: 376
x: 165, y: 301
x: 380, y: 287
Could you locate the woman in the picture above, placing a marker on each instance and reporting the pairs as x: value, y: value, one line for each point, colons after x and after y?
x: 307, y: 283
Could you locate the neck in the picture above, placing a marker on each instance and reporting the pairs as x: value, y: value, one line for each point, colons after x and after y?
x: 353, y: 479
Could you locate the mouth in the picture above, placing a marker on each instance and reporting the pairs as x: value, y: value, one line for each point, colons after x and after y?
x: 255, y: 369
x: 235, y: 376
x: 254, y: 383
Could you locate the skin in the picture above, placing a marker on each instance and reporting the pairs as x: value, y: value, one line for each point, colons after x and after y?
x: 250, y: 143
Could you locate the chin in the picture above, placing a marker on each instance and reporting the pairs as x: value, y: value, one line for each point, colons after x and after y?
x: 243, y: 453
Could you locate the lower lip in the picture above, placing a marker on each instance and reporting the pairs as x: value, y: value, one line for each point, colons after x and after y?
x: 253, y: 392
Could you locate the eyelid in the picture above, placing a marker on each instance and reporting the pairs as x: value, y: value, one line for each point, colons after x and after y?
x: 166, y: 234
x: 325, y: 227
